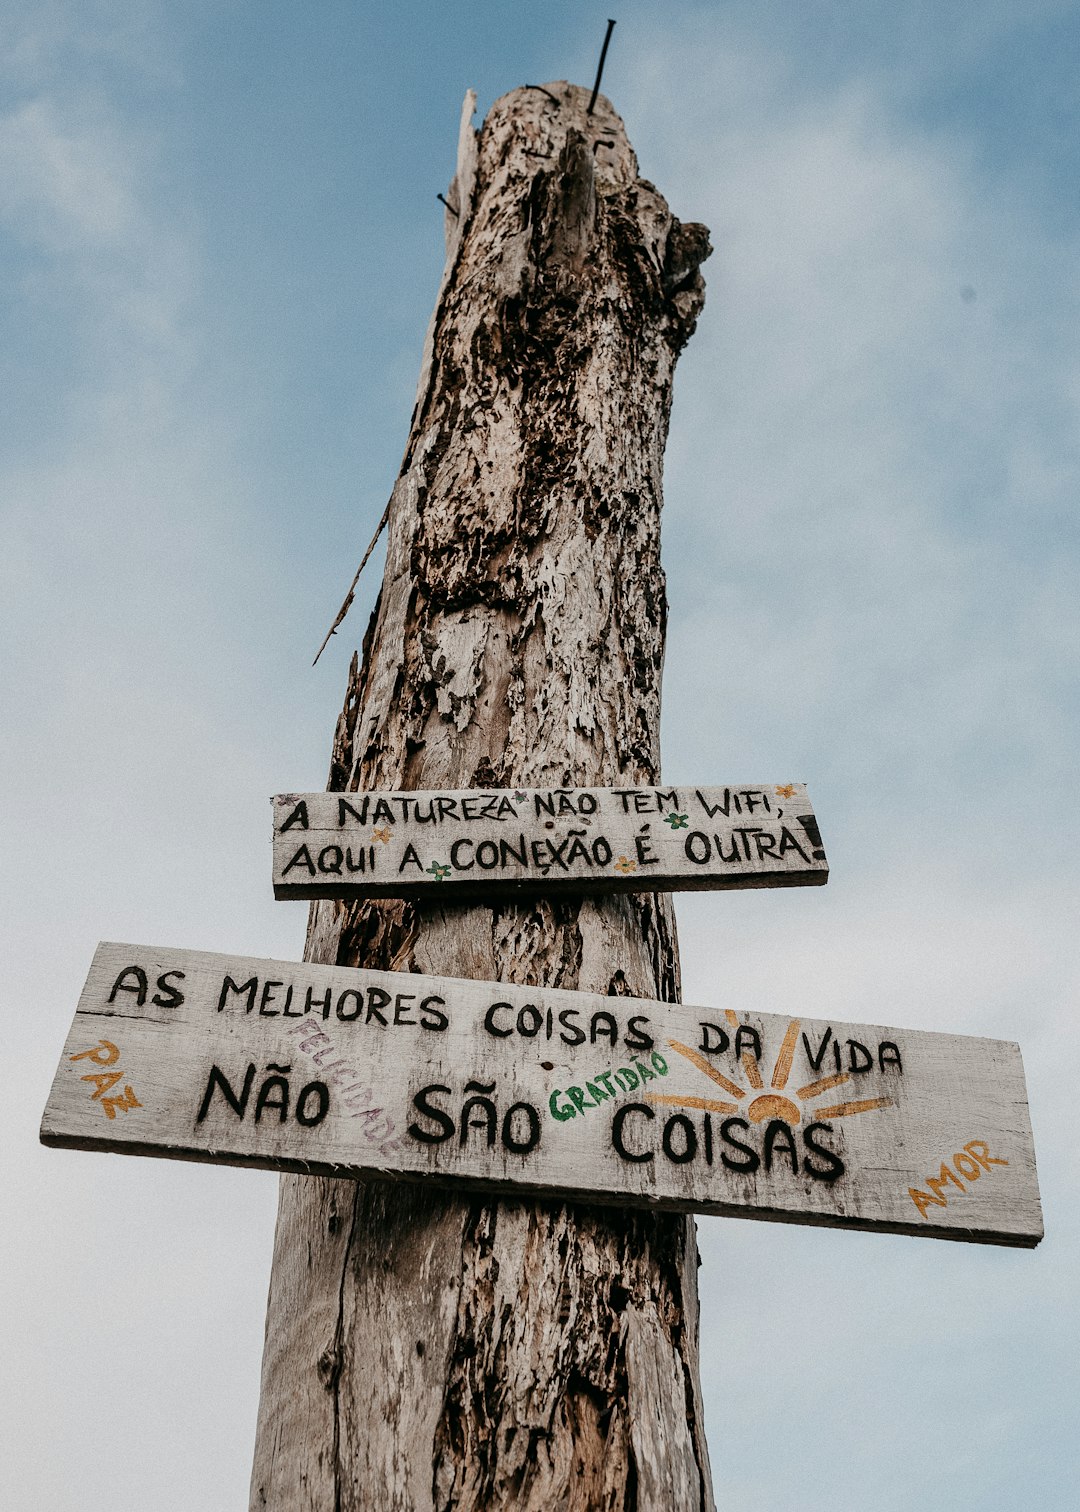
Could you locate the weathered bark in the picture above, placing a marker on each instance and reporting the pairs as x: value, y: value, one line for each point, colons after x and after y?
x: 425, y: 1351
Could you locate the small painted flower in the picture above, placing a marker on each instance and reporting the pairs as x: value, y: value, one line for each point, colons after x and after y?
x: 383, y: 835
x: 519, y: 797
x: 626, y: 866
x: 677, y: 821
x: 787, y: 791
x: 438, y: 871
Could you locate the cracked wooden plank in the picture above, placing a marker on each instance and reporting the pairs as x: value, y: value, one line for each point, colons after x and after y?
x: 521, y: 842
x: 537, y: 1092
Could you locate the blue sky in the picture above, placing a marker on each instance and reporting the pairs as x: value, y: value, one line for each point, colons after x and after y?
x: 219, y: 246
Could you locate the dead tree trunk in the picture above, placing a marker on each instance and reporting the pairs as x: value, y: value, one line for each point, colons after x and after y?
x: 425, y: 1351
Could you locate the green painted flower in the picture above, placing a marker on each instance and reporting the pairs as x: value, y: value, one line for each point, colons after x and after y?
x: 439, y: 871
x: 677, y: 821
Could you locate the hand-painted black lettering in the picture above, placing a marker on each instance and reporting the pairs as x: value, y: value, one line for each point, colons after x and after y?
x: 324, y: 1003
x: 859, y: 1057
x: 714, y: 1040
x: 302, y: 858
x: 684, y: 1148
x: 489, y: 1020
x: 508, y: 853
x: 816, y: 1059
x: 643, y: 847
x: 571, y: 1033
x: 249, y: 987
x: 481, y: 1104
x: 712, y: 809
x: 521, y: 1144
x: 299, y: 815
x: 433, y: 1017
x: 175, y: 996
x: 834, y: 1165
x: 377, y: 1000
x: 618, y: 1127
x: 410, y: 858
x: 320, y: 1093
x: 889, y: 1055
x: 752, y: 1159
x: 401, y: 1013
x: 603, y: 1025
x: 267, y: 998
x: 427, y: 1109
x: 789, y: 842
x: 138, y: 985
x: 349, y: 995
x: 331, y: 859
x: 747, y: 1040
x: 458, y: 852
x: 779, y: 1137
x: 219, y: 1081
x: 274, y: 1093
x: 697, y: 848
x: 813, y: 834
x: 529, y: 1020
x: 636, y: 1037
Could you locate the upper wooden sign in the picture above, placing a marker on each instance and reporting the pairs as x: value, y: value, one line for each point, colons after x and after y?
x: 543, y: 840
x: 535, y: 1091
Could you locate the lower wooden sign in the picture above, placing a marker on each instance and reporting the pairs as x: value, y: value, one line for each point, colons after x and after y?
x: 532, y: 1091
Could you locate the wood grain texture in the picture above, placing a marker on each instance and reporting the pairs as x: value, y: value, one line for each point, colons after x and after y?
x: 524, y: 842
x: 541, y: 1092
x: 453, y: 1352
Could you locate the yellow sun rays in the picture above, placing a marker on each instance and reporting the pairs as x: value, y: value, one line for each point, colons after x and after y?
x: 770, y: 1104
x: 710, y: 1071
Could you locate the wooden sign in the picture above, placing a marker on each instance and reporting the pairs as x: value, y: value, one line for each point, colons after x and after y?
x: 534, y: 1091
x: 471, y: 844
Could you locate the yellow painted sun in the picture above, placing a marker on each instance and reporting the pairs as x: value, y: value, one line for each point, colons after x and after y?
x: 772, y: 1103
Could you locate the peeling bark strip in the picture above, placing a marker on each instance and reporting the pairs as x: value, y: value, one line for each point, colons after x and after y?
x: 423, y: 1351
x: 538, y: 1092
x: 523, y: 842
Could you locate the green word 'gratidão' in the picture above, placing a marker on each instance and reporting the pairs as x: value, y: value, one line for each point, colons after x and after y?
x: 575, y: 1100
